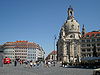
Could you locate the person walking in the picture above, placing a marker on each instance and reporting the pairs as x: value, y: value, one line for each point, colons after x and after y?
x: 15, y: 63
x: 49, y: 64
x: 31, y: 64
x: 26, y: 63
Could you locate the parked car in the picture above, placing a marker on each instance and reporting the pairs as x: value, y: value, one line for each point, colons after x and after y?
x: 96, y: 71
x: 6, y: 60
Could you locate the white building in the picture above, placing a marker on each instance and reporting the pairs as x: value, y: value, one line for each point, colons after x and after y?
x: 31, y: 54
x: 24, y: 50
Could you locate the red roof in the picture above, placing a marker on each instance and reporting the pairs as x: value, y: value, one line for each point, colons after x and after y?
x: 21, y: 44
x: 52, y: 53
x: 90, y: 34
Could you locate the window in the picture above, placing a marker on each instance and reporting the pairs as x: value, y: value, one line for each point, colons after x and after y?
x: 83, y: 55
x: 88, y: 45
x: 89, y: 55
x: 83, y: 40
x: 98, y: 44
x: 88, y: 50
x: 93, y: 40
x: 88, y: 40
x: 98, y: 35
x: 83, y: 45
x: 71, y: 36
x: 98, y: 39
x: 93, y: 45
x: 87, y: 35
x: 83, y: 50
x: 98, y: 49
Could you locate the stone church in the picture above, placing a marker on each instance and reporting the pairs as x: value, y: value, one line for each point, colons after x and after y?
x: 68, y: 44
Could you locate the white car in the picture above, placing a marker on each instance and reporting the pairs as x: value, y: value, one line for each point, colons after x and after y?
x: 96, y: 71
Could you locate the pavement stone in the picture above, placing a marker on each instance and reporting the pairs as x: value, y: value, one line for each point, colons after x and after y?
x: 22, y: 70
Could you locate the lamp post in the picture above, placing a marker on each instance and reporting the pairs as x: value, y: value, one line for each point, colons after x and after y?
x: 54, y: 48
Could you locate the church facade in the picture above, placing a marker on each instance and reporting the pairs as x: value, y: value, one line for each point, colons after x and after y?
x: 68, y: 44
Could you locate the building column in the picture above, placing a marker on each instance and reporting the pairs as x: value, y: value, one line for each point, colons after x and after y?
x: 64, y: 52
x: 72, y: 52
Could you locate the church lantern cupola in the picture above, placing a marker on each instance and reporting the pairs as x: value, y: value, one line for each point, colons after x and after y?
x: 70, y: 13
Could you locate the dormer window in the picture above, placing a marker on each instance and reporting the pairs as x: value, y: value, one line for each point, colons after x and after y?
x: 87, y: 35
x: 92, y: 35
x: 98, y: 35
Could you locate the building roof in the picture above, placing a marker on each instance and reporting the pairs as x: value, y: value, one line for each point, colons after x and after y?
x: 21, y: 44
x: 52, y: 53
x: 91, y: 34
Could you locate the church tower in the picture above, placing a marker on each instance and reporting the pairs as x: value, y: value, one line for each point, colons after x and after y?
x: 68, y: 44
x: 83, y: 30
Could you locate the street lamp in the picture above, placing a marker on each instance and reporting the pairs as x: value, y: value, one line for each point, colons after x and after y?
x: 54, y: 48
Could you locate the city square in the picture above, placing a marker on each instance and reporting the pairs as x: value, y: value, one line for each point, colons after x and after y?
x: 54, y: 70
x: 49, y: 37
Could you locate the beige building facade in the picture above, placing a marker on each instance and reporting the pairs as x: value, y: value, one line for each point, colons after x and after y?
x: 68, y: 44
x: 88, y: 41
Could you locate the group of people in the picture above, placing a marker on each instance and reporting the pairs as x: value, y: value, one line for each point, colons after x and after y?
x: 29, y: 63
x: 38, y: 64
x: 21, y: 62
x: 49, y: 63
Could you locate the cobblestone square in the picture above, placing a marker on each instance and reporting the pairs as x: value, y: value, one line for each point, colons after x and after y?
x: 22, y: 70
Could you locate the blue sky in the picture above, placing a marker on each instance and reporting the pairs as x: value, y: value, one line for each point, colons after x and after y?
x: 39, y: 20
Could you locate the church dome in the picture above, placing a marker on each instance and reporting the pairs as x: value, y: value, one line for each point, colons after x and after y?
x: 71, y: 26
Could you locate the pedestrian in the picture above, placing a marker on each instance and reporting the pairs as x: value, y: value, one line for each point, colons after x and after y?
x: 49, y: 63
x: 31, y: 64
x: 26, y: 63
x: 46, y: 64
x: 35, y: 64
x: 15, y: 63
x: 20, y: 62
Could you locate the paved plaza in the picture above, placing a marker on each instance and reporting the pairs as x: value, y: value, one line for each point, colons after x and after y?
x: 22, y: 70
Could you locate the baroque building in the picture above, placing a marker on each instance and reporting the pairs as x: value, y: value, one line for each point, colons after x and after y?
x: 88, y: 42
x: 68, y: 44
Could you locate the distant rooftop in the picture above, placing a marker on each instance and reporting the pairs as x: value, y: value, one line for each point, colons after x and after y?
x: 92, y: 34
